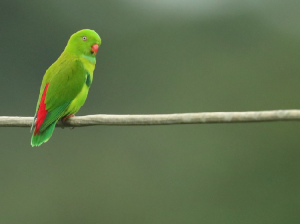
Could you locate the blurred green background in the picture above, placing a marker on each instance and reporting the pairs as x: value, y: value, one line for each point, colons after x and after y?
x: 156, y: 57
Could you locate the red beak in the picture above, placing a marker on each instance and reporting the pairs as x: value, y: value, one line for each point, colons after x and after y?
x: 94, y: 48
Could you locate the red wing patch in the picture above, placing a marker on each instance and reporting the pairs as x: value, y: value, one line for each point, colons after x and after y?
x: 42, y: 112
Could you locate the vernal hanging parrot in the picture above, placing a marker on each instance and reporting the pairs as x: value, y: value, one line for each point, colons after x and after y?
x: 66, y: 84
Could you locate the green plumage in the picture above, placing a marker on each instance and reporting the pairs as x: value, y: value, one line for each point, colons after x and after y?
x: 37, y: 140
x: 68, y: 80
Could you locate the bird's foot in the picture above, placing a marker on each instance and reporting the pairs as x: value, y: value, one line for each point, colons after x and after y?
x: 66, y: 118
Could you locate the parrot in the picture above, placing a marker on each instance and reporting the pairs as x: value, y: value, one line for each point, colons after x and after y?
x: 65, y: 84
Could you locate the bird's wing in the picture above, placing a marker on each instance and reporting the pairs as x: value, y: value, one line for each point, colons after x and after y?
x: 61, y: 84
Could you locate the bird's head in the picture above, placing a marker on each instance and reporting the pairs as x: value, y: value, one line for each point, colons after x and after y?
x: 84, y: 42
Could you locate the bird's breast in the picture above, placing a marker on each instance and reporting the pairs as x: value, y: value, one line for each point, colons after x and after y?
x: 79, y: 100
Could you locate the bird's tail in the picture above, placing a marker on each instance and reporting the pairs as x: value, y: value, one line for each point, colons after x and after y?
x: 40, y: 138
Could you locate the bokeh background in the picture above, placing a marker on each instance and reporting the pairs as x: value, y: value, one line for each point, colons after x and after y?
x: 166, y: 56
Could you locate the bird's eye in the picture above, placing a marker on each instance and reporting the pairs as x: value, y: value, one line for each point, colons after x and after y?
x: 84, y: 38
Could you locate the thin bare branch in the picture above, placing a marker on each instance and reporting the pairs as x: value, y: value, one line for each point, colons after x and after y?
x: 163, y: 119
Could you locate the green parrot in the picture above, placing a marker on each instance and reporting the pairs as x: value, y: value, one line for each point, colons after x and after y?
x: 66, y: 84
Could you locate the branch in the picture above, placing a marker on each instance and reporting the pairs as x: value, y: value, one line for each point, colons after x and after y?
x: 163, y: 119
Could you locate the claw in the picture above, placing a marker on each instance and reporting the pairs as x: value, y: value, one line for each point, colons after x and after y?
x: 66, y: 117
